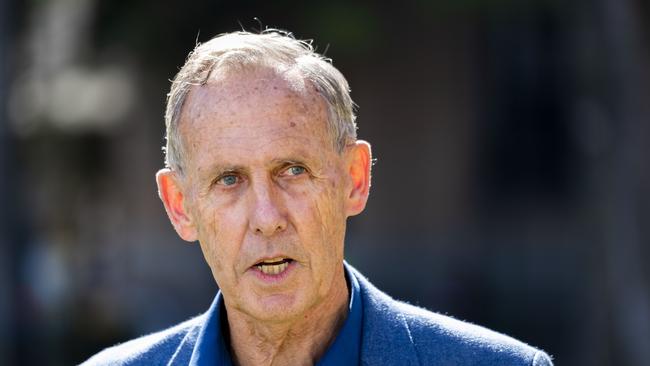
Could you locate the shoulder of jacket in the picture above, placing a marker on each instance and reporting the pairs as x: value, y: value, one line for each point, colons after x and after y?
x: 436, y: 335
x: 440, y: 339
x: 154, y: 348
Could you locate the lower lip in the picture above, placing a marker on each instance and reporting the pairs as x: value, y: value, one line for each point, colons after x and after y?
x: 274, y: 278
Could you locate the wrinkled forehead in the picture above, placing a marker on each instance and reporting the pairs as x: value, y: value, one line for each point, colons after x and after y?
x: 235, y: 108
x: 228, y: 88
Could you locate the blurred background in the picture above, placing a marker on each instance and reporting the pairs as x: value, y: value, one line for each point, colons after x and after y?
x: 511, y: 188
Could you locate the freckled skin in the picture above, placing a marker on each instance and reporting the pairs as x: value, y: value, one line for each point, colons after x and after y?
x: 254, y: 126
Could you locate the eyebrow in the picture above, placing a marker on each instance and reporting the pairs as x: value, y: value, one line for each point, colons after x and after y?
x: 300, y: 158
x: 287, y: 161
x: 219, y: 169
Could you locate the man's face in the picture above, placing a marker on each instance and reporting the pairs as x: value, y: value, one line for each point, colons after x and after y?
x: 263, y: 183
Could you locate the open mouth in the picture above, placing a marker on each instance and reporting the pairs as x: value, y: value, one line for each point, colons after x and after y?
x: 273, y: 266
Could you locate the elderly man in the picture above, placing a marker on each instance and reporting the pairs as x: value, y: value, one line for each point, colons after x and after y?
x: 263, y: 169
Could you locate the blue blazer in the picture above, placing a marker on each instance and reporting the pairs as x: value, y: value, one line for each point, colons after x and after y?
x: 394, y: 333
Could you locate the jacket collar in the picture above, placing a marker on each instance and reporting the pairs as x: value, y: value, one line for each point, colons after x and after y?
x: 386, y: 338
x: 205, y: 350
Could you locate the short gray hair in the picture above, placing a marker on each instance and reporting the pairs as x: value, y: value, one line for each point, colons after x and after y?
x: 272, y: 48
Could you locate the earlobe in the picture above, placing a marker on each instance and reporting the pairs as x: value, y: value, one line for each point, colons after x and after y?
x: 359, y: 169
x: 171, y: 194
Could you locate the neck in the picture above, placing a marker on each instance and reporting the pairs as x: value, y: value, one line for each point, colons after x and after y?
x: 300, y: 341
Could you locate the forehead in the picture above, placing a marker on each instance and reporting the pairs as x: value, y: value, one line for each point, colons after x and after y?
x: 246, y: 111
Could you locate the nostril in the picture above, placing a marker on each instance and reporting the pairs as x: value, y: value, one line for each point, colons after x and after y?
x: 263, y: 231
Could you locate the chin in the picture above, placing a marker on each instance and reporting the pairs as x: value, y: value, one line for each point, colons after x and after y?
x: 279, y: 308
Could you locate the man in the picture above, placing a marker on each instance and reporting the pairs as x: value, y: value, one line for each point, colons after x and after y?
x: 263, y: 169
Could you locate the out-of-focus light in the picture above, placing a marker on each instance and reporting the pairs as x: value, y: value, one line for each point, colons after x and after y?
x: 74, y: 99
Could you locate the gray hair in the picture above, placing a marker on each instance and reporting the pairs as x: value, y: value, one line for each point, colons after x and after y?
x: 273, y: 48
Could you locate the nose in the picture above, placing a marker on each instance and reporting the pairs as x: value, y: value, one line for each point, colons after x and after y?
x: 268, y: 213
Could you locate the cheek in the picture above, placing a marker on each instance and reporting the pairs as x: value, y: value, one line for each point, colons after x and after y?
x: 333, y: 220
x: 317, y: 210
x: 220, y: 233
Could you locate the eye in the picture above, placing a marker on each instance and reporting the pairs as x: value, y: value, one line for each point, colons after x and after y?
x: 228, y: 180
x: 295, y: 170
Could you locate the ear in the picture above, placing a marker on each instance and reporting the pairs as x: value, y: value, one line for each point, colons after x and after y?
x: 359, y: 164
x: 171, y: 194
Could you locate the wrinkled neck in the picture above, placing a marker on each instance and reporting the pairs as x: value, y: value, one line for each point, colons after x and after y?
x: 300, y: 341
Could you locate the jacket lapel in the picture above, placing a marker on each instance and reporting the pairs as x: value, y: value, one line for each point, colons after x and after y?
x: 386, y: 338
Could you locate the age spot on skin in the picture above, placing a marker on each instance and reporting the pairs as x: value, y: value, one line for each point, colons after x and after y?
x: 292, y: 124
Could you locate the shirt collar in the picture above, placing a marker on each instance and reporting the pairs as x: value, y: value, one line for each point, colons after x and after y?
x: 211, y: 347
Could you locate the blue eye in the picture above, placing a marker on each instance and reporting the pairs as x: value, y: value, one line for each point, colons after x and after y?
x: 296, y: 170
x: 228, y: 180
